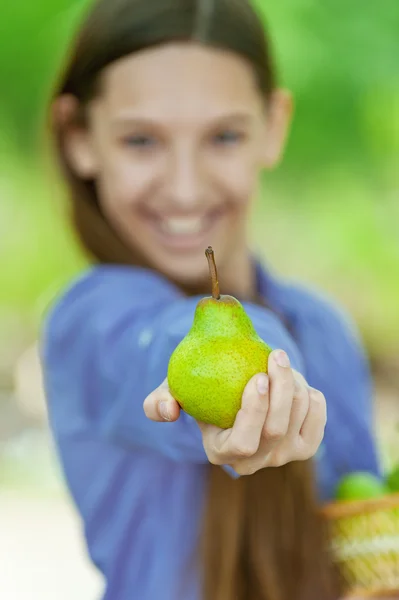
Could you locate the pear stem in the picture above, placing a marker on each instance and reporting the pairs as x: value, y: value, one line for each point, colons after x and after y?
x: 213, y: 272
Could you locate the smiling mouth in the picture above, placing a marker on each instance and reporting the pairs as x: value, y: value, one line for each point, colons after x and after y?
x: 183, y: 231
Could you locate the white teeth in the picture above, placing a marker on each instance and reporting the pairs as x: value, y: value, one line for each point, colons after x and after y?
x: 183, y: 226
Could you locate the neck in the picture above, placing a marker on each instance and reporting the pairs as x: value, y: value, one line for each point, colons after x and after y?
x: 238, y: 277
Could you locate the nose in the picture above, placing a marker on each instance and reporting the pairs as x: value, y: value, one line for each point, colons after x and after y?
x: 186, y: 179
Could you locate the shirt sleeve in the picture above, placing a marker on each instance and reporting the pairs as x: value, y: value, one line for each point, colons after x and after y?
x: 106, y: 345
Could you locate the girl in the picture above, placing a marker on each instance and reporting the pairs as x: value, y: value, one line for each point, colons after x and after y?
x: 166, y: 114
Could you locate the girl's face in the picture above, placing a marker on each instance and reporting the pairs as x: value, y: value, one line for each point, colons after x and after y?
x: 176, y: 140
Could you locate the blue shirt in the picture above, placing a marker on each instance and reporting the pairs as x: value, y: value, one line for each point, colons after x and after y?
x: 139, y: 485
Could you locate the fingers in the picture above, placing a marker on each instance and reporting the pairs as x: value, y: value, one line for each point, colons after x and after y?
x: 306, y: 429
x: 243, y: 439
x: 307, y: 425
x: 277, y: 450
x: 300, y: 407
x: 282, y: 387
x: 312, y: 430
x: 247, y: 430
x: 160, y: 406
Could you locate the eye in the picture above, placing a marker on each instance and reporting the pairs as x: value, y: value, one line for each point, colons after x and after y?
x: 228, y: 138
x: 140, y: 141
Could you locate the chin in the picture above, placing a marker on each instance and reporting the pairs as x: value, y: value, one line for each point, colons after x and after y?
x: 175, y: 243
x: 186, y: 270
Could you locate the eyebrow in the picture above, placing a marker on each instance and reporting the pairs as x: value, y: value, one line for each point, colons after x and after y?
x: 131, y: 119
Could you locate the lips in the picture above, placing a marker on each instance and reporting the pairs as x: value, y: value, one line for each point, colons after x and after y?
x: 183, y: 232
x: 183, y: 225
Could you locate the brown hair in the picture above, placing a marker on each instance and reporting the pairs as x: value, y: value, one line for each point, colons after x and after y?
x: 263, y: 537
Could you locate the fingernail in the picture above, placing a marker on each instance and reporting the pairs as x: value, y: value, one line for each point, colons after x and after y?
x: 282, y: 359
x: 262, y: 384
x: 164, y: 411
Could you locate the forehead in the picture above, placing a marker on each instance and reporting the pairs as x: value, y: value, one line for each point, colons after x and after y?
x: 183, y: 78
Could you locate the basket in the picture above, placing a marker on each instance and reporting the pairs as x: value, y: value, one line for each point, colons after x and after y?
x: 365, y: 539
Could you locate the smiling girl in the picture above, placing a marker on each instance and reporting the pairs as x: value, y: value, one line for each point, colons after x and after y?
x: 165, y: 116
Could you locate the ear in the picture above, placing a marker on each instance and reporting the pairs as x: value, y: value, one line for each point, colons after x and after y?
x: 279, y: 120
x: 75, y: 136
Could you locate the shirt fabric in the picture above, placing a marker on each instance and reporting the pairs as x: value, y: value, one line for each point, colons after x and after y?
x: 138, y: 485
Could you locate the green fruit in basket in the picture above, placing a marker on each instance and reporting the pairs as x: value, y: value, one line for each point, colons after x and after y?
x: 360, y: 486
x: 393, y: 480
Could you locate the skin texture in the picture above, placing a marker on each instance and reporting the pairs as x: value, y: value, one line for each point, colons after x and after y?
x: 183, y: 131
x: 281, y: 419
x: 180, y: 132
x: 210, y: 368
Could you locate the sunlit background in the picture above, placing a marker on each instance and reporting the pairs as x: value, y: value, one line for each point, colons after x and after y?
x: 328, y: 216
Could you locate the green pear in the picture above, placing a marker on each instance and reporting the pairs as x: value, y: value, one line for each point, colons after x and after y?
x: 360, y: 485
x: 392, y: 480
x: 211, y: 366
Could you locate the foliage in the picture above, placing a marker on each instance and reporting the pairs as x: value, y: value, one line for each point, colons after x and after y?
x: 330, y: 211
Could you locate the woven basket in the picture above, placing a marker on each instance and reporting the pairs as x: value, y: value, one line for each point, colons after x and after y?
x: 365, y: 538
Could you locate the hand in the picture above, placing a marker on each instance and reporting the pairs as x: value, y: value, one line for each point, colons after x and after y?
x: 281, y: 420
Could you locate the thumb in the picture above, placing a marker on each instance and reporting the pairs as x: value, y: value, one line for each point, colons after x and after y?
x: 160, y: 406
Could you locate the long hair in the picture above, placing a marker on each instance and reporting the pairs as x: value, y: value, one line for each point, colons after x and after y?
x: 262, y: 535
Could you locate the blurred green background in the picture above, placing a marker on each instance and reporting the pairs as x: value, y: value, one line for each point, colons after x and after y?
x: 329, y: 215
